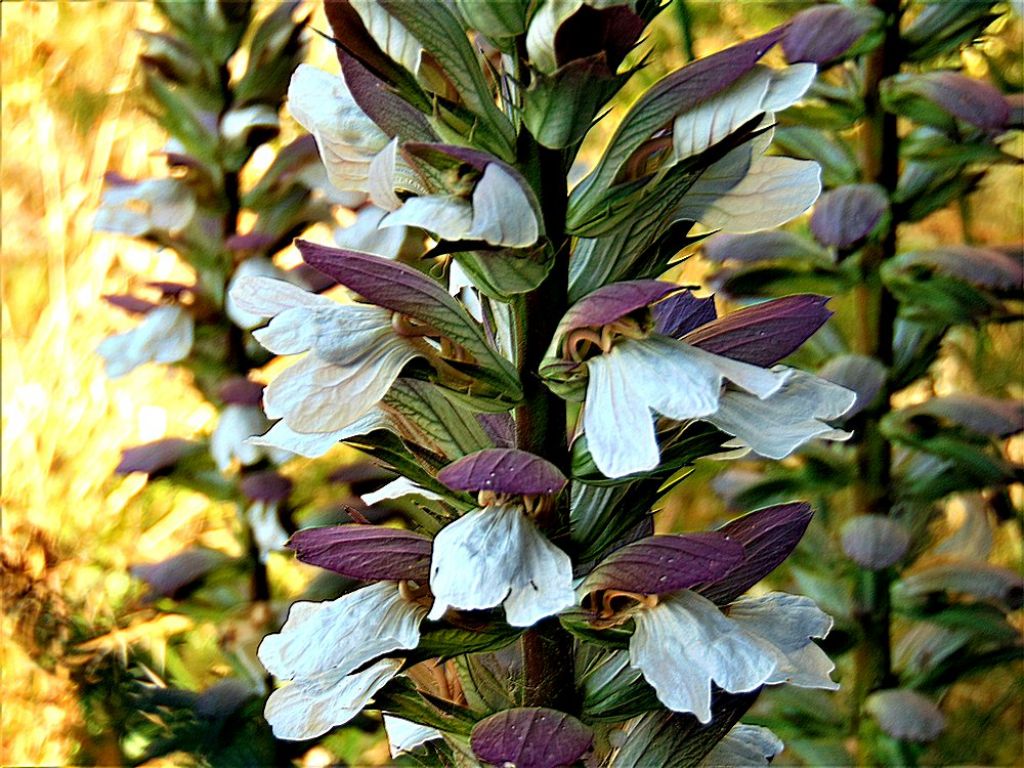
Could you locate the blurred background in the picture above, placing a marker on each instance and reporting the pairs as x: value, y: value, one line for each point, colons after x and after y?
x: 74, y: 619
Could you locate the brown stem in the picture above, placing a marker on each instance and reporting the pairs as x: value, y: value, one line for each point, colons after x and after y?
x: 875, y: 335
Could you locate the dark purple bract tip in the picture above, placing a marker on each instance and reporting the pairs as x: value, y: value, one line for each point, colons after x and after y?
x: 612, y: 302
x: 365, y: 552
x: 660, y: 564
x: 531, y: 737
x: 266, y: 486
x: 240, y: 391
x: 503, y: 470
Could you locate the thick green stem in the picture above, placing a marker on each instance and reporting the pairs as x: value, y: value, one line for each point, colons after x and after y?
x: 877, y: 310
x: 548, y: 662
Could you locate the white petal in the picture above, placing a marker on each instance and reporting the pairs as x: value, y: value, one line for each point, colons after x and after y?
x: 315, y: 444
x: 744, y: 745
x: 502, y: 214
x: 670, y: 377
x: 267, y: 532
x: 788, y: 85
x: 685, y: 642
x: 138, y: 208
x: 346, y: 137
x: 319, y: 396
x: 267, y: 297
x: 381, y: 182
x: 256, y: 266
x: 778, y: 425
x: 540, y: 37
x: 366, y: 235
x: 788, y: 622
x: 404, y: 736
x: 447, y: 216
x: 312, y: 706
x: 238, y: 123
x: 399, y: 489
x: 617, y: 421
x: 164, y: 336
x: 496, y: 555
x: 746, y: 191
x: 228, y: 442
x: 342, y: 634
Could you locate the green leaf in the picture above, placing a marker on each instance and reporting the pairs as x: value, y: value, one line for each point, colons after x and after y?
x: 401, y: 699
x: 495, y: 18
x: 671, y: 740
x: 560, y: 109
x: 508, y: 272
x: 449, y: 642
x: 440, y: 33
x: 439, y: 425
x: 613, y: 691
x: 838, y: 162
x: 489, y: 684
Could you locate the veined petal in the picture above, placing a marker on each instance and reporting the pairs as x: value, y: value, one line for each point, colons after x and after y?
x: 365, y: 234
x: 447, y: 216
x: 342, y: 634
x: 669, y: 378
x: 347, y: 138
x: 310, y: 707
x: 777, y: 426
x: 319, y: 396
x: 267, y: 297
x: 315, y: 444
x: 164, y: 336
x: 746, y: 191
x: 761, y: 90
x: 788, y: 623
x: 744, y: 745
x: 502, y: 214
x: 762, y: 382
x: 381, y: 182
x: 256, y: 266
x: 685, y: 642
x: 393, y: 38
x: 540, y: 37
x: 497, y: 555
x: 616, y: 420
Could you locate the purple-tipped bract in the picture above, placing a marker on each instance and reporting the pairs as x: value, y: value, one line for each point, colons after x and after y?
x: 503, y: 470
x: 683, y: 312
x: 845, y: 216
x: 822, y: 34
x: 613, y: 302
x: 365, y: 552
x: 531, y: 737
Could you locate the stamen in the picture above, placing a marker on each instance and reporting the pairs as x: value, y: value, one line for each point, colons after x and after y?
x: 613, y: 607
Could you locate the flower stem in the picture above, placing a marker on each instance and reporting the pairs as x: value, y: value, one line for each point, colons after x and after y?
x: 875, y: 336
x: 548, y: 663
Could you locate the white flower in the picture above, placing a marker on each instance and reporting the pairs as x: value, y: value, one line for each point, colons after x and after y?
x: 265, y: 526
x: 320, y: 646
x: 230, y: 440
x: 312, y: 445
x: 312, y: 706
x: 365, y: 234
x: 259, y: 266
x: 164, y: 336
x: 399, y: 488
x: 744, y: 745
x: 661, y: 374
x: 499, y: 212
x: 354, y: 357
x: 136, y: 208
x: 686, y: 642
x: 347, y: 138
x: 497, y: 556
x: 404, y: 736
x: 777, y: 425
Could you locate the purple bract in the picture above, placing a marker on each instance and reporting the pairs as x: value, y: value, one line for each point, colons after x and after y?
x: 612, y: 302
x: 821, y: 34
x: 847, y: 215
x: 531, y: 737
x: 503, y: 470
x: 765, y: 333
x: 683, y: 312
x: 155, y: 456
x: 365, y: 552
x: 660, y: 564
x: 768, y: 536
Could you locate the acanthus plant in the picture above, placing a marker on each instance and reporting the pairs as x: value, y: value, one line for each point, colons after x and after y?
x: 538, y: 386
x: 915, y: 505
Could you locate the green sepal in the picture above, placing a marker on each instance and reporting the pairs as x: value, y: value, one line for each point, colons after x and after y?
x: 438, y: 425
x: 613, y: 690
x: 448, y: 642
x: 504, y: 273
x: 496, y: 19
x: 402, y: 699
